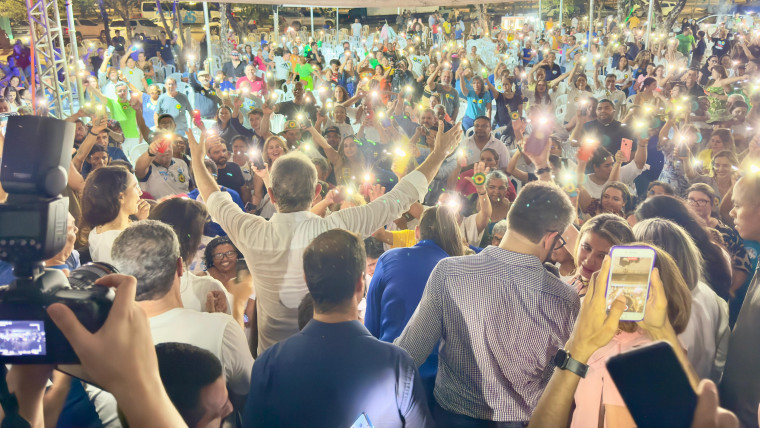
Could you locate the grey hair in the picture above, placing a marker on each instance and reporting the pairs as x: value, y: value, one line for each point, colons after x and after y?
x: 170, y: 78
x: 676, y: 241
x: 147, y: 250
x: 294, y: 179
x: 120, y: 84
x: 498, y: 175
x: 500, y: 228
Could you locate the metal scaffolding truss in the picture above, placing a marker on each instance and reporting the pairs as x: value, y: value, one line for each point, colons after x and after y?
x: 46, y: 35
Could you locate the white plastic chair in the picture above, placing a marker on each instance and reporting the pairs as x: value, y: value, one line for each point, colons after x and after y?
x: 277, y: 123
x: 469, y: 133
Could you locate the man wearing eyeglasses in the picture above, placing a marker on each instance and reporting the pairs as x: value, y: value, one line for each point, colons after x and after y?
x: 489, y: 368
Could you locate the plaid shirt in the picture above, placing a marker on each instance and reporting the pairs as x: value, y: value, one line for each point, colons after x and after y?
x: 501, y: 317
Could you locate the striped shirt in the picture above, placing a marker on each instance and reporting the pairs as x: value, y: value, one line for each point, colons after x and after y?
x: 500, y: 317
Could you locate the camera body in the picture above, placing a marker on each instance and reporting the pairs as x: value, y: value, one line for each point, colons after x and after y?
x: 33, y: 228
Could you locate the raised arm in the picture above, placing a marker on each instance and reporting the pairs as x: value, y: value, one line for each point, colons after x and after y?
x: 430, y: 85
x: 463, y: 85
x: 512, y: 165
x: 484, y: 214
x: 332, y: 155
x: 98, y: 125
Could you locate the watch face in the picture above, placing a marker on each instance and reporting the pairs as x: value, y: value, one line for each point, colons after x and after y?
x: 561, y: 358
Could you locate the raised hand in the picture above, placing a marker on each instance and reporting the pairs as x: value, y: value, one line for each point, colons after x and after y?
x: 216, y: 301
x: 479, y: 181
x: 449, y: 141
x: 375, y: 192
x: 595, y: 327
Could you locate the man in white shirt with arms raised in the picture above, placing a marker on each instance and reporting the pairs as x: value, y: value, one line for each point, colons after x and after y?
x: 274, y: 248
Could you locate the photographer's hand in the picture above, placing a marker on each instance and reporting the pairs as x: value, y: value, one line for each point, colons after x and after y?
x: 121, y: 356
x: 593, y: 329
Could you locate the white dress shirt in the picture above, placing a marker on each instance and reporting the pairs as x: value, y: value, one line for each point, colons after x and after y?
x: 473, y: 152
x: 706, y: 336
x: 274, y: 249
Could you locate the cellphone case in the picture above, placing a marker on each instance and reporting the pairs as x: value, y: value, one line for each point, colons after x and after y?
x: 654, y: 386
x: 609, y: 277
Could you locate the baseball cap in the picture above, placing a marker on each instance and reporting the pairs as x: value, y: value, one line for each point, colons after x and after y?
x: 332, y: 129
x: 235, y: 53
x: 203, y: 73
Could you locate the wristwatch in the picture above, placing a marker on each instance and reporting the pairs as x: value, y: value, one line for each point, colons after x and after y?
x: 564, y: 361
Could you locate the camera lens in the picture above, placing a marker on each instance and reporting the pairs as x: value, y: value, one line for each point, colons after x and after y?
x: 85, y: 276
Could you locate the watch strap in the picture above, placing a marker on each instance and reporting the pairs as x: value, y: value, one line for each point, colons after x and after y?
x: 569, y: 363
x: 576, y: 366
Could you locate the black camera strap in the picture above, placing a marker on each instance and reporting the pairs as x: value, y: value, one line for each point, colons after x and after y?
x: 10, y: 404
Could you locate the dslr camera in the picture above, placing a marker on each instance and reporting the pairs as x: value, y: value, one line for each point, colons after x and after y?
x: 33, y: 228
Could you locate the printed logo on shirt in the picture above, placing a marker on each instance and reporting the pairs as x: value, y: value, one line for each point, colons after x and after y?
x: 181, y: 176
x: 179, y: 106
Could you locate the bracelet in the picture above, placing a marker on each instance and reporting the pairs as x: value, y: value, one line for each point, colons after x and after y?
x: 543, y: 170
x: 92, y: 133
x: 151, y: 154
x: 482, y: 194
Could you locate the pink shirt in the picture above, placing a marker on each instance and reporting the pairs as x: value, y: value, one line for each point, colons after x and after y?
x: 597, y: 387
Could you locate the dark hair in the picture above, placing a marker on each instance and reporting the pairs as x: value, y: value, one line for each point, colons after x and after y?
x: 482, y: 118
x: 208, y: 252
x: 440, y: 226
x: 305, y: 311
x: 540, y: 208
x: 492, y: 151
x: 648, y: 81
x: 665, y: 186
x: 626, y: 192
x: 100, y: 197
x: 256, y: 112
x: 185, y: 370
x: 373, y: 247
x: 96, y: 149
x: 122, y: 163
x: 332, y: 264
x: 600, y: 155
x: 187, y: 217
x: 164, y: 116
x: 717, y: 269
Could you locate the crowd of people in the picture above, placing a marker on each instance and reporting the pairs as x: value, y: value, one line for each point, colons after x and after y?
x: 409, y: 225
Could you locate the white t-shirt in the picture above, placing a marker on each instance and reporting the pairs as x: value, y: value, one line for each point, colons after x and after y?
x: 706, y: 334
x: 628, y: 173
x: 469, y: 228
x: 356, y: 29
x: 194, y: 289
x: 281, y: 68
x: 217, y: 333
x: 170, y: 181
x: 100, y: 245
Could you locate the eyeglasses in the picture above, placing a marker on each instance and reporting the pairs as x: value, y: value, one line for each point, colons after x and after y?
x: 561, y: 243
x: 232, y: 254
x: 698, y: 202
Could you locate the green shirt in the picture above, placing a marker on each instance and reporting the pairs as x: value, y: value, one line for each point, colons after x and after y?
x: 685, y: 43
x: 126, y: 116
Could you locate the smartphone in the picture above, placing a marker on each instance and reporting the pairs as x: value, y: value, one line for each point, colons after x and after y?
x: 654, y: 386
x: 241, y: 266
x: 164, y: 145
x: 683, y: 150
x: 197, y: 118
x: 110, y: 50
x: 626, y: 146
x: 362, y: 422
x: 630, y: 273
x: 587, y: 150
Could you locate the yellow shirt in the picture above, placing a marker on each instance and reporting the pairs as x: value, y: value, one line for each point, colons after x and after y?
x: 705, y: 156
x: 403, y: 238
x: 633, y: 22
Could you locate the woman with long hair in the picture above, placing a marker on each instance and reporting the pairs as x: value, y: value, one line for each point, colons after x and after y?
x: 706, y: 336
x: 716, y: 260
x: 595, y: 239
x: 111, y: 195
x: 596, y: 398
x: 722, y: 172
x: 720, y: 140
x: 400, y: 278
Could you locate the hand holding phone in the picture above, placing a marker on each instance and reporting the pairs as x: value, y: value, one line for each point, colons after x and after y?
x: 197, y: 119
x: 626, y: 145
x: 587, y: 149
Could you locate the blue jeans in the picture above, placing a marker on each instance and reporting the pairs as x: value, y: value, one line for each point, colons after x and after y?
x: 444, y: 418
x: 467, y: 123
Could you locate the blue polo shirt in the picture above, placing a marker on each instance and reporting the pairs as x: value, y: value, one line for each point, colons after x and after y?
x: 395, y: 291
x: 329, y: 374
